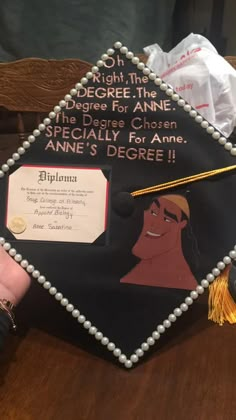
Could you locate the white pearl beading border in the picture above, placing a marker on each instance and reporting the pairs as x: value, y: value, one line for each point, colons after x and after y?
x: 41, y: 279
x: 93, y: 330
x: 215, y: 134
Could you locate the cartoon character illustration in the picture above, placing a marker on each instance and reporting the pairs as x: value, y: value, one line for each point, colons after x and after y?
x: 159, y: 246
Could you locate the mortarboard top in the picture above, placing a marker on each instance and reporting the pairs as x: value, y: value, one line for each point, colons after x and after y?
x: 121, y: 205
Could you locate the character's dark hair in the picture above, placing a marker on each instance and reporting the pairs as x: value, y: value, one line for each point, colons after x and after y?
x: 190, y: 245
x: 189, y: 241
x: 184, y: 216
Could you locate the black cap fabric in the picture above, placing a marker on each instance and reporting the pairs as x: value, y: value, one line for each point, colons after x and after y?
x: 232, y: 282
x: 158, y: 252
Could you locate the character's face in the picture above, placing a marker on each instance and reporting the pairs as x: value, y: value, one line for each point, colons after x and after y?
x: 161, y: 229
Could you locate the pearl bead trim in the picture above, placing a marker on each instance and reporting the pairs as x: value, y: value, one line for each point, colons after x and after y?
x: 84, y: 80
x: 215, y: 134
x: 93, y: 330
x: 41, y: 279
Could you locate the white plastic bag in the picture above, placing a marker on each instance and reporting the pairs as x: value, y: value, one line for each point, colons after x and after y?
x: 201, y: 76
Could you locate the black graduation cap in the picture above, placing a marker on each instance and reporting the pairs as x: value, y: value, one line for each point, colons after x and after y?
x: 121, y: 205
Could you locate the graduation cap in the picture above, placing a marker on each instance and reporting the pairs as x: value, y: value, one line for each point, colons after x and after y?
x: 121, y: 205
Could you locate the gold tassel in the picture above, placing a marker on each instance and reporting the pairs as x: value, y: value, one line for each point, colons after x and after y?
x: 220, y: 302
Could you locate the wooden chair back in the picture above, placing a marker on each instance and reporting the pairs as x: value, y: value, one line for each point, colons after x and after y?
x: 30, y: 88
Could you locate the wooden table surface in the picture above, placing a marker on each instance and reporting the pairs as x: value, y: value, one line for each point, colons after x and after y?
x: 192, y: 376
x: 45, y: 376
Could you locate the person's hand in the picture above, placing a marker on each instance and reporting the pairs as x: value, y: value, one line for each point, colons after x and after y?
x: 14, y: 281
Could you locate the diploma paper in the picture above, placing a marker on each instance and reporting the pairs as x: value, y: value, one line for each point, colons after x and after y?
x: 57, y: 203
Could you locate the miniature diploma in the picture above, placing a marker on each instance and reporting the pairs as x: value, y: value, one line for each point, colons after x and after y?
x: 54, y: 203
